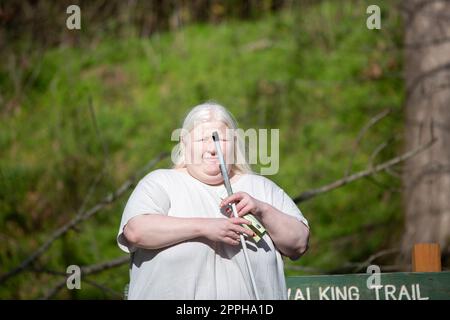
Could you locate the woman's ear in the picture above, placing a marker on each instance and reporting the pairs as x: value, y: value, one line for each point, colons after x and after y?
x: 183, y: 139
x: 184, y: 136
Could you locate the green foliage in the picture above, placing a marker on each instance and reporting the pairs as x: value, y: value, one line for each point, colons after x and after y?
x: 318, y: 74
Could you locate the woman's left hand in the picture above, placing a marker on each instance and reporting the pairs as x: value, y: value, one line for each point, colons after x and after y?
x: 245, y: 204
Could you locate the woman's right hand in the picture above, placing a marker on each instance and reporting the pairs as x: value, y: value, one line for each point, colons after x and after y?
x: 225, y: 230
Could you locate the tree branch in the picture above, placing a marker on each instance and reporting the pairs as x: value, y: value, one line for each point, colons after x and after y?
x: 108, y: 199
x: 373, y: 257
x: 361, y: 133
x: 309, y: 194
x: 88, y: 281
x: 85, y: 271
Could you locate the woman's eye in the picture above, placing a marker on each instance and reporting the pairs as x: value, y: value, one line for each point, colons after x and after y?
x: 206, y: 139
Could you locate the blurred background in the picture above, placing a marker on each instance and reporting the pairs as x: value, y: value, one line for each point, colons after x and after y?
x: 85, y: 113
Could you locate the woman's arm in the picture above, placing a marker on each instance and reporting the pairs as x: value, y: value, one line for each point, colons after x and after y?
x: 155, y: 231
x: 289, y: 234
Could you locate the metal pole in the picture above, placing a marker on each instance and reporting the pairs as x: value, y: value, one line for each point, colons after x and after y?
x: 227, y: 183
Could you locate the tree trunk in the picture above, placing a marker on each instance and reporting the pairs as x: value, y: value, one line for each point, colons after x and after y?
x: 426, y: 179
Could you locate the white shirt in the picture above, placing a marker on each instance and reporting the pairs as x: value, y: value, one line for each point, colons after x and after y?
x: 200, y: 268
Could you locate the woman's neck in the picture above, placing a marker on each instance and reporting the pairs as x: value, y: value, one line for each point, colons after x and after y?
x: 211, y: 180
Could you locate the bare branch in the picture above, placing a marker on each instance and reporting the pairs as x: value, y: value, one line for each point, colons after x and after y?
x: 62, y: 282
x: 99, y: 267
x: 108, y: 199
x: 104, y: 288
x: 87, y: 270
x: 377, y: 150
x: 51, y: 293
x: 355, y: 266
x: 384, y: 268
x: 361, y: 133
x: 374, y: 154
x: 373, y: 257
x: 105, y: 167
x: 309, y: 194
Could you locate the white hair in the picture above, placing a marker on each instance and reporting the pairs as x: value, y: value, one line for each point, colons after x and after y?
x: 206, y: 112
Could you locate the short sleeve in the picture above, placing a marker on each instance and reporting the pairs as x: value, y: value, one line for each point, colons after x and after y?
x: 149, y: 197
x: 283, y: 202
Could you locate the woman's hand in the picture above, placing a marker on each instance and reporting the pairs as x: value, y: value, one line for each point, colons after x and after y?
x: 289, y: 235
x: 245, y: 204
x: 225, y: 230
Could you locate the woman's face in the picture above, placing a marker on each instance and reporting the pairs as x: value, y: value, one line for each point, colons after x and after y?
x: 202, y: 160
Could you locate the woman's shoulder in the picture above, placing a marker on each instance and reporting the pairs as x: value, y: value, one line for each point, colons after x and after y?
x: 158, y: 175
x: 261, y: 180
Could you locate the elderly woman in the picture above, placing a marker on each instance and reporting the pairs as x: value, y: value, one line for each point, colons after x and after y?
x: 184, y: 245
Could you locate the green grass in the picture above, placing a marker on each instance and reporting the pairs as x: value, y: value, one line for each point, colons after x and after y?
x: 311, y: 76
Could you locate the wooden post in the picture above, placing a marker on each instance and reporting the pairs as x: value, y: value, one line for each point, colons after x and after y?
x: 426, y: 257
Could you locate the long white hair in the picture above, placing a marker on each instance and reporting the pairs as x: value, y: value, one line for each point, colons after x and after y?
x: 211, y: 111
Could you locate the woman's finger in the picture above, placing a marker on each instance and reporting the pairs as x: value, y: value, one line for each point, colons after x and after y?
x: 233, y: 235
x: 231, y: 241
x: 240, y: 220
x: 235, y: 197
x: 240, y: 229
x: 241, y: 204
x: 245, y: 210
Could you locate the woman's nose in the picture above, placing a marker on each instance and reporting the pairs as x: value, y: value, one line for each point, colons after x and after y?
x: 210, y: 146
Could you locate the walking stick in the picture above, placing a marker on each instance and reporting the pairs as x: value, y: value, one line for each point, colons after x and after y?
x: 227, y: 183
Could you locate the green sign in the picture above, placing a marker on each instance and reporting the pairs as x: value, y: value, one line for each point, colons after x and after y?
x: 377, y: 286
